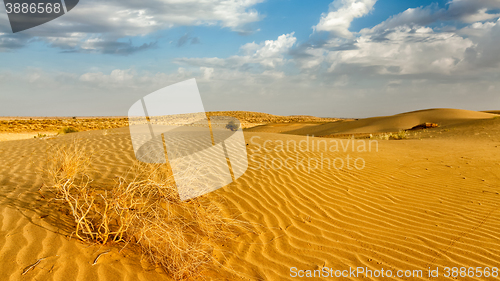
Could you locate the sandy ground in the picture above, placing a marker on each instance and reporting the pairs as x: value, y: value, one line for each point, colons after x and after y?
x: 428, y: 201
x: 23, y: 136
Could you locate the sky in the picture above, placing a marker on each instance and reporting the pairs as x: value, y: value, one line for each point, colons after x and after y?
x: 341, y: 58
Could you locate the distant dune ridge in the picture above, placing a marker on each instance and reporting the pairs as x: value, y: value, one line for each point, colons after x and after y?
x: 251, y: 119
x: 429, y: 201
x: 394, y: 123
x: 492, y: 111
x: 263, y: 122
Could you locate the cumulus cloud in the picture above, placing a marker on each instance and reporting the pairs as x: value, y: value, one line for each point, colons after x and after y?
x: 406, y: 50
x: 470, y: 11
x: 477, y: 30
x: 419, y: 16
x: 107, y: 22
x: 265, y: 56
x: 486, y: 52
x: 341, y: 13
x: 133, y: 18
x: 467, y: 11
x: 404, y: 45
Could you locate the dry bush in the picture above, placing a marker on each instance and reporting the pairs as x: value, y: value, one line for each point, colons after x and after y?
x: 403, y: 134
x: 141, y: 209
x: 67, y: 130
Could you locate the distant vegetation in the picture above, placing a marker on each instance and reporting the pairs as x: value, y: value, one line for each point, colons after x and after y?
x: 232, y: 126
x: 401, y: 135
x: 67, y: 130
x: 57, y: 125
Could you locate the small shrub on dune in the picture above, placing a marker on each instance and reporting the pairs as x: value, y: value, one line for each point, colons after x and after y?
x: 231, y: 125
x: 399, y: 135
x: 142, y: 209
x: 391, y: 136
x: 67, y: 130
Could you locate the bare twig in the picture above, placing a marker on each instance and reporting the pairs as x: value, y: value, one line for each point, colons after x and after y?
x: 28, y: 268
x: 98, y: 256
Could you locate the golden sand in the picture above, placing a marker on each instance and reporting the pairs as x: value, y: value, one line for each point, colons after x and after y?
x: 427, y: 201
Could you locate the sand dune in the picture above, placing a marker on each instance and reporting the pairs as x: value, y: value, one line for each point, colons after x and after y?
x: 404, y: 121
x: 415, y: 204
x: 492, y: 111
x: 22, y: 136
x: 32, y: 230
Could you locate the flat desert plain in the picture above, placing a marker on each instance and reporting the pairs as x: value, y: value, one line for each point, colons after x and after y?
x: 317, y: 198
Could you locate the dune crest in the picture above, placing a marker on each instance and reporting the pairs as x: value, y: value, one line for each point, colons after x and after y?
x: 394, y: 123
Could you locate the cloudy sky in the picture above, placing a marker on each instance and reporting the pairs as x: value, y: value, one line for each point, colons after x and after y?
x: 346, y: 58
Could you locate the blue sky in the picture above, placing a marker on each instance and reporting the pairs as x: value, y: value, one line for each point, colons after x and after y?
x: 342, y: 58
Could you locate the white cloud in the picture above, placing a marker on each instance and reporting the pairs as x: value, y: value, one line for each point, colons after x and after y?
x: 132, y: 18
x: 268, y: 55
x: 403, y: 45
x: 477, y: 30
x: 485, y: 55
x: 341, y: 14
x: 109, y: 21
x: 207, y: 72
x: 406, y: 50
x: 271, y: 52
x: 116, y: 76
x: 470, y: 11
x: 420, y: 16
x: 120, y: 79
x: 480, y: 15
x: 467, y: 11
x: 312, y: 58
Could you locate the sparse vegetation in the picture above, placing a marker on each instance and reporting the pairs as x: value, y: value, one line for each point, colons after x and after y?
x: 67, y: 130
x: 142, y: 209
x: 399, y: 135
x: 247, y: 120
x: 231, y: 125
x: 391, y: 136
x: 56, y: 124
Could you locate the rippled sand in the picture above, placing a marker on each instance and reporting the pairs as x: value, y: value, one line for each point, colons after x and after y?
x: 431, y: 200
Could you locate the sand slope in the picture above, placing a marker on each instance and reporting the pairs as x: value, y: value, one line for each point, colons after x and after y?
x: 30, y: 229
x: 416, y: 204
x: 492, y: 111
x: 404, y: 121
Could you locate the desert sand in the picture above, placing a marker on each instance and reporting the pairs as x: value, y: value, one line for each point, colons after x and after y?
x: 430, y: 200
